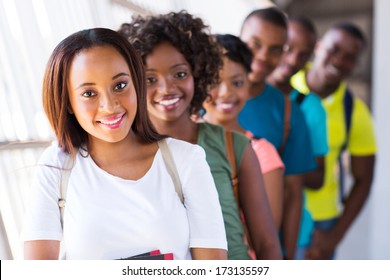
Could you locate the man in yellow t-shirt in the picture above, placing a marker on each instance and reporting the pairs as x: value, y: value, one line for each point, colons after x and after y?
x: 336, y: 56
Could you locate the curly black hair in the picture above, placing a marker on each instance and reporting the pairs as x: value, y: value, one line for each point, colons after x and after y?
x: 190, y: 36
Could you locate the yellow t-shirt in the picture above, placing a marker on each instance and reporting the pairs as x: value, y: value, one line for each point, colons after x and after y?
x: 324, y: 203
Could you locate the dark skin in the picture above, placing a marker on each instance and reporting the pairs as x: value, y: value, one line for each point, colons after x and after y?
x: 250, y: 194
x: 325, y: 242
x: 292, y: 211
x: 340, y: 51
x: 315, y: 179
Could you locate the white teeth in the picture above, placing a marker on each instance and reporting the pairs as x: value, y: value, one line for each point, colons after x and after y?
x: 225, y: 105
x: 111, y: 122
x: 167, y: 102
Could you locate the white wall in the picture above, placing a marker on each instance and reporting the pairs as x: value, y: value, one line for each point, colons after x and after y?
x: 380, y: 200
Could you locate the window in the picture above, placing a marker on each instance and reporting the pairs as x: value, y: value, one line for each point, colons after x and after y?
x: 29, y: 30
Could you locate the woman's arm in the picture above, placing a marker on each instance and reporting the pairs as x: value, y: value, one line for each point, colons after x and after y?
x: 273, y: 181
x: 256, y: 209
x: 202, y: 205
x: 41, y: 250
x: 208, y: 254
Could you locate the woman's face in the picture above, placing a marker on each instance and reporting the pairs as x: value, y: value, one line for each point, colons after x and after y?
x: 229, y: 97
x: 102, y: 94
x: 170, y: 84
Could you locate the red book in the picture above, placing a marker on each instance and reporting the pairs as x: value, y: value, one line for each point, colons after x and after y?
x: 152, y: 255
x: 168, y: 256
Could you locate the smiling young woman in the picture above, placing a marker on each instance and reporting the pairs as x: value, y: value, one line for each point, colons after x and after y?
x: 182, y: 61
x: 121, y: 199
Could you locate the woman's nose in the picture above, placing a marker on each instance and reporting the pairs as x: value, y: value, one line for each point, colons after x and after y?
x: 108, y: 102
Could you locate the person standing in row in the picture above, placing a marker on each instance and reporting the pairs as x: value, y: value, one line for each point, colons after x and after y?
x: 302, y: 38
x: 223, y: 106
x: 121, y: 200
x: 182, y: 60
x: 268, y: 114
x: 349, y: 126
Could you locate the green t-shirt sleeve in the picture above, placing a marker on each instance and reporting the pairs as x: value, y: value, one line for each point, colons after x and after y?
x: 240, y: 142
x: 362, y: 137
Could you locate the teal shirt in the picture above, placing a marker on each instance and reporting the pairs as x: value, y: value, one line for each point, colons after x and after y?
x: 263, y: 116
x: 315, y: 117
x: 212, y: 139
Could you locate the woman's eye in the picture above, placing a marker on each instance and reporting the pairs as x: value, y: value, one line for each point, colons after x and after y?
x: 150, y: 80
x: 88, y: 94
x: 181, y: 75
x: 255, y: 44
x: 120, y: 86
x: 238, y: 83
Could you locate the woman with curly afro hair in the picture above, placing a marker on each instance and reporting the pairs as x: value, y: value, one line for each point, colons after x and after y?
x: 182, y: 60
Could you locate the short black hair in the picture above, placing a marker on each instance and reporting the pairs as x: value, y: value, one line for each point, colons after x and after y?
x: 272, y: 15
x: 306, y: 23
x: 236, y: 50
x: 351, y: 29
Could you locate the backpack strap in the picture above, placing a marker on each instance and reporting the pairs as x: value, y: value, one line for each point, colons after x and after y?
x: 286, y: 124
x: 348, y: 109
x: 171, y: 168
x: 232, y: 160
x: 69, y: 162
x: 64, y: 176
x: 234, y: 179
x: 300, y: 97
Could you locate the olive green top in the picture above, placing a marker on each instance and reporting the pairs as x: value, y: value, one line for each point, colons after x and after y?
x: 212, y: 139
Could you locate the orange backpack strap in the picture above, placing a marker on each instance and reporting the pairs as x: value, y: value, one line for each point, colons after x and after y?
x: 234, y: 179
x: 286, y: 124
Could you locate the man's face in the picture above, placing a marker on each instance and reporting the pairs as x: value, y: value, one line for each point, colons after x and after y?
x: 266, y: 40
x: 336, y: 56
x: 298, y: 50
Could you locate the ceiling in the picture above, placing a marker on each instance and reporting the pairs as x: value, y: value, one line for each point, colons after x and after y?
x: 327, y: 7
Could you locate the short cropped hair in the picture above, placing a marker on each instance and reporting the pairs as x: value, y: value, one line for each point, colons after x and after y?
x: 272, y: 15
x: 305, y: 23
x: 351, y: 29
x: 190, y: 36
x: 55, y: 93
x: 236, y: 50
